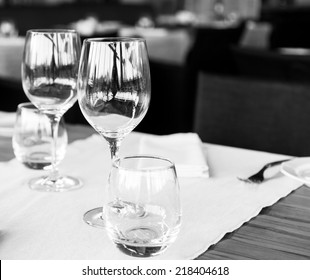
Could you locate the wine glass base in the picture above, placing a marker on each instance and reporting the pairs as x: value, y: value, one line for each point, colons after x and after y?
x: 62, y: 184
x: 94, y: 218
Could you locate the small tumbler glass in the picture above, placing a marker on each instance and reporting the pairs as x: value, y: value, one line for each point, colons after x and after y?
x: 142, y: 209
x: 32, y: 138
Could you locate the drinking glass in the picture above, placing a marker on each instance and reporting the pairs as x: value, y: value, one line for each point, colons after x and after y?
x: 142, y: 209
x: 114, y: 88
x: 32, y: 138
x: 49, y: 77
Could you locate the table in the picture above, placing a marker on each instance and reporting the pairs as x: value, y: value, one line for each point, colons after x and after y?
x: 281, y: 231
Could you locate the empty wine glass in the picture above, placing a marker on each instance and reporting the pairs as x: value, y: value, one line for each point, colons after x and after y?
x: 142, y: 209
x: 49, y: 77
x: 114, y: 88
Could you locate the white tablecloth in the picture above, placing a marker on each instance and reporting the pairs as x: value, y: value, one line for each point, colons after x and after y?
x: 36, y: 225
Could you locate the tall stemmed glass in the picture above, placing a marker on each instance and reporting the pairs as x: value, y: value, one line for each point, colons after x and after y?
x: 49, y: 76
x: 114, y: 89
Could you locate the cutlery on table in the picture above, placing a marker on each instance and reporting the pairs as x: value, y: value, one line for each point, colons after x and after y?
x: 259, y: 176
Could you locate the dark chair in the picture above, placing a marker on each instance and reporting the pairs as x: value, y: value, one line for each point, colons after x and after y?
x: 210, y: 53
x: 290, y: 25
x: 165, y: 114
x: 290, y: 34
x: 272, y: 65
x: 12, y: 94
x: 261, y: 115
x: 211, y: 48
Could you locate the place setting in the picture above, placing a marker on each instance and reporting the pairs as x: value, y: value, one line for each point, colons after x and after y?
x: 118, y: 194
x: 142, y: 215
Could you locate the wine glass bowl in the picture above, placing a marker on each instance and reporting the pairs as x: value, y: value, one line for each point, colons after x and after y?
x: 114, y: 89
x: 49, y: 79
x: 49, y: 69
x: 114, y: 84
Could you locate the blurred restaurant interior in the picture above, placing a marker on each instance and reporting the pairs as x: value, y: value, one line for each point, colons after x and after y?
x: 235, y: 71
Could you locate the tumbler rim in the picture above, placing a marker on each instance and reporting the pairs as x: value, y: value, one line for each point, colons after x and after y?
x: 117, y: 163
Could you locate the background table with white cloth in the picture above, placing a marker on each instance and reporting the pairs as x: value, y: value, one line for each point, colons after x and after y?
x: 223, y: 218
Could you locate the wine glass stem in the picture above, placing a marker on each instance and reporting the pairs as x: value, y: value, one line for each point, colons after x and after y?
x: 54, y: 173
x: 114, y: 144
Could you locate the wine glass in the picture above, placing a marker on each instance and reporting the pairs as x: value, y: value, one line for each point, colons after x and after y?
x: 114, y: 88
x: 49, y: 77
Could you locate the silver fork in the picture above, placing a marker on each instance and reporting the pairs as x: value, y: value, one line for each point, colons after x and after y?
x: 259, y: 176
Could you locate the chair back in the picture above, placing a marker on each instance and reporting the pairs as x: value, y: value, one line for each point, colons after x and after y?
x: 272, y: 65
x: 253, y: 114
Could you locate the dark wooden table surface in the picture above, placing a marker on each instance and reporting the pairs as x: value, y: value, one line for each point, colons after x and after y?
x: 281, y: 231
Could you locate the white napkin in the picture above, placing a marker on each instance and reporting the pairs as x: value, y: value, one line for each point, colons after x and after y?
x: 7, y: 121
x: 184, y: 149
x: 49, y: 226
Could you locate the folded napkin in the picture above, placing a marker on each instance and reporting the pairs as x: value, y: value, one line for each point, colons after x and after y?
x: 184, y: 149
x: 7, y: 120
